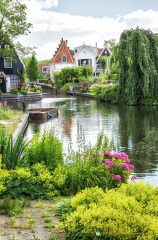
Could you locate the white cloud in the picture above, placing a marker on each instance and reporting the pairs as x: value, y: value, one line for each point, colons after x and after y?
x: 49, y: 27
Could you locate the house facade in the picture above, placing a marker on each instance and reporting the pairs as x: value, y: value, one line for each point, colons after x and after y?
x: 10, y: 72
x: 101, y: 53
x: 44, y: 69
x: 86, y: 55
x: 62, y: 58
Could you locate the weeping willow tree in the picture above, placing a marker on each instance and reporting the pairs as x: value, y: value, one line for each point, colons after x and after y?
x: 137, y: 55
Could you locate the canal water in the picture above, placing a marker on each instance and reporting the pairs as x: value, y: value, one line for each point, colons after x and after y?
x: 133, y: 129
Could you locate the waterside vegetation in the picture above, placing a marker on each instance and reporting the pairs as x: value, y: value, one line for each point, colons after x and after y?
x: 108, y: 204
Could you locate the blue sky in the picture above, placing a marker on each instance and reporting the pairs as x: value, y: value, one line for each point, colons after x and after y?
x: 84, y: 21
x: 100, y: 8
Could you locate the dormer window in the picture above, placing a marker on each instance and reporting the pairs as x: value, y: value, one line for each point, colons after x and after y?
x: 63, y: 58
x: 7, y: 62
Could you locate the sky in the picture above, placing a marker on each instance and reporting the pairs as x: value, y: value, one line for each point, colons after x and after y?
x: 84, y: 21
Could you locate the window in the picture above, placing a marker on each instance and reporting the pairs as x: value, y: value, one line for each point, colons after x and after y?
x: 45, y: 69
x: 63, y: 58
x: 85, y: 62
x: 14, y: 80
x: 75, y: 50
x: 7, y: 62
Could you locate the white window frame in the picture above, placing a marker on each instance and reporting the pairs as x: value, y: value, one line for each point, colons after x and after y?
x: 6, y: 63
x: 47, y: 69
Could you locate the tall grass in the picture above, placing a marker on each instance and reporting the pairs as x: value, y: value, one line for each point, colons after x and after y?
x: 11, y: 152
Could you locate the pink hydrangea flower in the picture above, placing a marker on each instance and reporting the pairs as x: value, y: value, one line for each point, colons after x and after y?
x: 124, y: 155
x: 131, y: 166
x: 134, y: 177
x: 112, y: 164
x: 108, y: 167
x: 124, y: 165
x: 117, y: 177
x: 127, y: 160
x: 117, y: 155
x: 107, y: 153
x: 107, y: 161
x: 111, y: 174
x: 128, y: 169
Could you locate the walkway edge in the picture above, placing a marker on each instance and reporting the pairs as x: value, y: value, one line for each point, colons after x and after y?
x: 21, y: 127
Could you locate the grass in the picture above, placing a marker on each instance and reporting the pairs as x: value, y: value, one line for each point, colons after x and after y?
x: 9, y: 119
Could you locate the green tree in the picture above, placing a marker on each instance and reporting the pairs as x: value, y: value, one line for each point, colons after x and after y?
x: 24, y: 52
x: 103, y: 62
x: 110, y: 43
x: 12, y: 24
x: 32, y: 69
x: 137, y: 56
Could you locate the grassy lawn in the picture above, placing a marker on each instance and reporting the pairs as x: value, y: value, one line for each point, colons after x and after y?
x: 9, y: 119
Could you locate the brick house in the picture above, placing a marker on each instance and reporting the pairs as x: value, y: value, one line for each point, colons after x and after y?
x: 62, y: 58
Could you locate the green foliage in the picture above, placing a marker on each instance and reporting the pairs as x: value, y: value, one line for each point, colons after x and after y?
x: 24, y: 92
x: 36, y: 89
x: 46, y: 150
x: 105, y: 92
x: 13, y: 24
x: 8, y: 113
x: 11, y: 152
x: 103, y: 62
x: 14, y: 90
x: 46, y: 61
x: 65, y: 88
x: 63, y: 209
x: 137, y: 55
x: 57, y: 80
x: 114, y: 214
x: 34, y: 182
x: 84, y: 169
x: 32, y: 69
x: 11, y: 207
x: 141, y: 191
x: 72, y: 75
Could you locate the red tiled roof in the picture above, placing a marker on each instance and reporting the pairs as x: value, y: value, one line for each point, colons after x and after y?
x: 100, y: 51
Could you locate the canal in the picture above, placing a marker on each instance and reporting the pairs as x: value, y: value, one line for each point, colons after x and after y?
x: 133, y: 129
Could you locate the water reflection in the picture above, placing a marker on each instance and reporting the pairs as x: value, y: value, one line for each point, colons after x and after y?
x: 133, y: 129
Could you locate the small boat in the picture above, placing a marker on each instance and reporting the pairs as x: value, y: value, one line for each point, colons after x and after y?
x: 43, y: 113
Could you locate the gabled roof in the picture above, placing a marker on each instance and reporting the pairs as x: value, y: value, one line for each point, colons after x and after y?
x: 92, y: 50
x: 62, y: 49
x: 102, y: 53
x: 2, y: 74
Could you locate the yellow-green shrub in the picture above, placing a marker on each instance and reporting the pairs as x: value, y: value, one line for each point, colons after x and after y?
x: 113, y: 214
x: 3, y: 175
x: 34, y: 182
